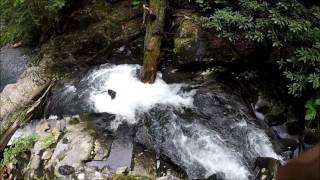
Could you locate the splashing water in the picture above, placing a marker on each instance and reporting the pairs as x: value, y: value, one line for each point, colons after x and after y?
x: 131, y: 94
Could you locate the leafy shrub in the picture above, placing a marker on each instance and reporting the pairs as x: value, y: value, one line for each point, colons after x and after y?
x: 303, y: 70
x: 28, y: 20
x: 312, y: 108
x: 273, y: 22
x: 18, y: 146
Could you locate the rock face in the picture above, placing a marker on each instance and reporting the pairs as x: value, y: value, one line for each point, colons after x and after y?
x: 78, y: 147
x: 193, y: 45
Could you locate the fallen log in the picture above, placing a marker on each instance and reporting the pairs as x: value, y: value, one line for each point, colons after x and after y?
x: 27, y: 115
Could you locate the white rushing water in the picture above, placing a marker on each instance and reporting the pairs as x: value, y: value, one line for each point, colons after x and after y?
x: 131, y: 94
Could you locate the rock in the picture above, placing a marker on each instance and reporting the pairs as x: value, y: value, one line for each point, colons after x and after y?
x: 35, y: 162
x: 122, y: 170
x: 92, y: 174
x: 102, y: 148
x: 288, y: 144
x: 77, y: 150
x: 312, y: 137
x: 192, y: 45
x: 217, y: 176
x: 273, y: 111
x: 66, y: 170
x: 112, y: 93
x: 275, y: 119
x: 47, y: 154
x: 267, y: 168
x: 294, y: 127
x: 144, y: 162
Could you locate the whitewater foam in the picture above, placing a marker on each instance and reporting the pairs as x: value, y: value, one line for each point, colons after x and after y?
x: 131, y: 94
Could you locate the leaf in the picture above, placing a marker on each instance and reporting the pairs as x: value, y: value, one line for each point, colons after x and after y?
x: 310, y: 114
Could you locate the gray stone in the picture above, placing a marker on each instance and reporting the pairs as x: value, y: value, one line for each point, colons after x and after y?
x: 122, y: 170
x: 66, y: 170
x: 145, y: 163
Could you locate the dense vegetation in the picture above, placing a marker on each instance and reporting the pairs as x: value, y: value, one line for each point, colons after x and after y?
x: 29, y: 20
x: 286, y: 26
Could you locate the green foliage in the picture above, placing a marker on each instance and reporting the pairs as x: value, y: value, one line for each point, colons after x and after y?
x: 279, y: 24
x: 228, y: 23
x: 273, y: 22
x: 136, y: 3
x: 18, y: 146
x: 28, y: 20
x: 303, y: 70
x: 312, y: 108
x: 48, y: 141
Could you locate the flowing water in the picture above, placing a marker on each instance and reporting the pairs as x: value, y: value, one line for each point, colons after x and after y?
x: 205, y: 129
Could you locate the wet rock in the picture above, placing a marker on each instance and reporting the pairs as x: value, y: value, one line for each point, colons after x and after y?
x: 112, y: 93
x: 121, y: 149
x: 294, y: 127
x: 312, y: 137
x: 268, y: 168
x: 289, y: 144
x: 275, y: 119
x: 66, y: 170
x: 273, y: 111
x: 217, y: 176
x: 144, y: 162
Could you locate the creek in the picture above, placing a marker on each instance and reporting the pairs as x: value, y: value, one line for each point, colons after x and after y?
x: 204, y: 127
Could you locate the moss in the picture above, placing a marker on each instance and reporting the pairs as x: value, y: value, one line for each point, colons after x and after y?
x: 188, y: 34
x: 49, y: 140
x: 130, y: 177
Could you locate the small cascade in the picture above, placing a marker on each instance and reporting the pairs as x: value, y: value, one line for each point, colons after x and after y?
x: 205, y: 129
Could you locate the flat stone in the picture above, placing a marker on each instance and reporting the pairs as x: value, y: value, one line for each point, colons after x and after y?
x: 66, y: 170
x: 145, y: 162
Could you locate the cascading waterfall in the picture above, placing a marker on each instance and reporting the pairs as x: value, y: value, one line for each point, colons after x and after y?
x: 200, y: 130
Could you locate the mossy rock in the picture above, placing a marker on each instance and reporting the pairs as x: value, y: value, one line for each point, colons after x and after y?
x: 193, y: 45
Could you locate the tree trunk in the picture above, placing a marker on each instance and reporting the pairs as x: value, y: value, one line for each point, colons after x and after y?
x: 153, y: 37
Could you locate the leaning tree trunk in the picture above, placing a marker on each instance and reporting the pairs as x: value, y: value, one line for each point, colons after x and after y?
x: 152, y: 42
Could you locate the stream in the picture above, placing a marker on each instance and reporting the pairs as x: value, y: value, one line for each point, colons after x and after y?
x: 203, y: 127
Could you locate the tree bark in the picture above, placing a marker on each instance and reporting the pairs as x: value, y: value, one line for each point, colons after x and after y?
x: 153, y: 37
